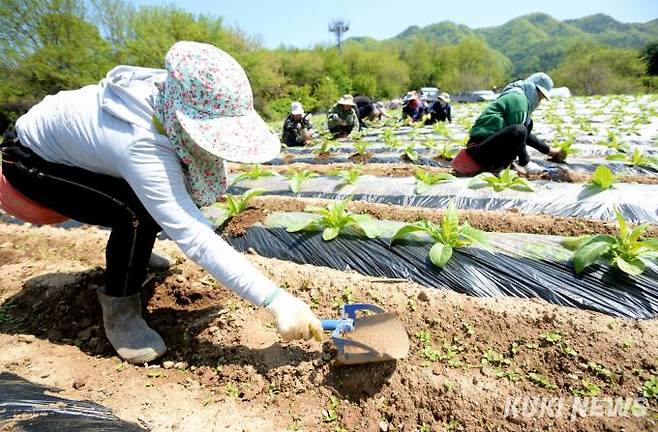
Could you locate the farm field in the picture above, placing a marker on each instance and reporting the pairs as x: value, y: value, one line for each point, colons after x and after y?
x: 507, y: 287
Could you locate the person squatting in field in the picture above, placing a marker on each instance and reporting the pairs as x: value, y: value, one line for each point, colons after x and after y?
x: 413, y: 109
x: 368, y: 109
x: 440, y: 111
x: 342, y: 118
x: 139, y: 153
x: 297, y: 127
x: 501, y: 133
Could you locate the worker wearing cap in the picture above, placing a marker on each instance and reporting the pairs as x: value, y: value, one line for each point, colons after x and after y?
x: 139, y: 153
x: 342, y: 118
x: 297, y: 127
x: 500, y: 135
x: 412, y: 107
x: 440, y: 111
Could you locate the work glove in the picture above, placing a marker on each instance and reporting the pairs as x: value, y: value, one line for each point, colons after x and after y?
x: 532, y: 168
x: 294, y: 318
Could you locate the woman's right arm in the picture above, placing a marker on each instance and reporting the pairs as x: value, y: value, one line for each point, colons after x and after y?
x: 156, y: 176
x: 154, y: 173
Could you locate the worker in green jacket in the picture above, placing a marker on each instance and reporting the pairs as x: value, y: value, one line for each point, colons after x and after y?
x: 500, y: 135
x: 342, y: 118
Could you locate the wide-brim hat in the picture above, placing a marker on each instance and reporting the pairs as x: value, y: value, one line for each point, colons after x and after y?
x: 346, y: 100
x: 544, y: 92
x: 445, y: 97
x: 543, y: 82
x: 244, y: 139
x: 296, y: 108
x: 213, y: 103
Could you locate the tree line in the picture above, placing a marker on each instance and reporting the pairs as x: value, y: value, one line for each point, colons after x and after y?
x: 52, y: 45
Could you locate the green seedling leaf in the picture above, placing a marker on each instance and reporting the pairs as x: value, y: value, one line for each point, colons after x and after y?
x: 440, y: 254
x: 589, y: 254
x: 255, y: 172
x: 603, y: 178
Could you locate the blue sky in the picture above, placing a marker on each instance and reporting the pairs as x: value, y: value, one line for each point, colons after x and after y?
x: 303, y: 23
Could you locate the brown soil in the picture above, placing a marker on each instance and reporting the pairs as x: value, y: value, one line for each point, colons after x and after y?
x: 360, y: 158
x: 406, y: 170
x: 508, y: 221
x: 241, y: 377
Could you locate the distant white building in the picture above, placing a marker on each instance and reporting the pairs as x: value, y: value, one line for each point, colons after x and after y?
x: 561, y: 92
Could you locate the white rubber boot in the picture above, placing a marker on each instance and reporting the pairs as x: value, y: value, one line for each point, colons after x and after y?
x: 127, y: 331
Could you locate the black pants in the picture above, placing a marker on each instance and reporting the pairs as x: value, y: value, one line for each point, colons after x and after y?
x: 94, y: 199
x: 501, y: 149
x: 341, y: 131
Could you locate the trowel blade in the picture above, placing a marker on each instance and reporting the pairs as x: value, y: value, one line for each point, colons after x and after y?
x: 378, y: 337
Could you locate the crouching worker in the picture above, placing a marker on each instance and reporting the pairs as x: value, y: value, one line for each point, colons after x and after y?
x: 413, y: 108
x: 440, y: 111
x: 140, y: 152
x: 369, y: 110
x: 500, y: 135
x: 297, y: 127
x: 342, y: 118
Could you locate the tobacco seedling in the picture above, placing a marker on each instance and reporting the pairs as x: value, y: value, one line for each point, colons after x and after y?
x: 625, y: 250
x: 327, y: 146
x: 566, y: 147
x: 426, y: 179
x: 446, y: 152
x: 409, y: 153
x: 236, y: 204
x: 440, y: 128
x: 333, y: 218
x: 361, y: 147
x: 603, y: 178
x: 297, y: 178
x: 255, y: 172
x: 349, y: 176
x: 447, y: 235
x: 637, y: 158
x: 507, y: 179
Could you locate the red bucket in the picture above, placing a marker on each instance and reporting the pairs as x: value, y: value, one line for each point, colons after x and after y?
x: 23, y: 208
x: 463, y: 163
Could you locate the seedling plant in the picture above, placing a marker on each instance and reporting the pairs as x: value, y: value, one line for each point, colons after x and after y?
x: 350, y: 176
x: 637, y: 158
x: 507, y: 179
x: 426, y: 179
x: 255, y: 172
x: 236, y: 204
x: 297, y: 178
x: 335, y: 217
x: 625, y: 250
x: 447, y: 235
x: 602, y: 178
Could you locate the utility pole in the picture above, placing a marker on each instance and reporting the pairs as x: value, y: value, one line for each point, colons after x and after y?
x: 339, y: 27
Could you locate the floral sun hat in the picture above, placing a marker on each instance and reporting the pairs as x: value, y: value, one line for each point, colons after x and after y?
x: 206, y: 109
x: 210, y: 95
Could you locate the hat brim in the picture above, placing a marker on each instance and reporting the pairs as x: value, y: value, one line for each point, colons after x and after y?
x: 300, y: 112
x: 343, y: 102
x: 245, y: 139
x: 544, y: 92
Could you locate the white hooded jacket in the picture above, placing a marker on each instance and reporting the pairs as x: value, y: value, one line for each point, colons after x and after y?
x: 108, y: 129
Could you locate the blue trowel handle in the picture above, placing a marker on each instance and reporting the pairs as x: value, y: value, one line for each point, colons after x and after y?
x: 331, y: 324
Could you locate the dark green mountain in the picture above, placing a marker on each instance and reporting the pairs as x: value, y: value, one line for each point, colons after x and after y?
x: 538, y: 41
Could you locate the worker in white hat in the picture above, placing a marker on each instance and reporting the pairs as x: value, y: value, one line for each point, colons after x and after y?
x: 342, y: 118
x: 297, y: 127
